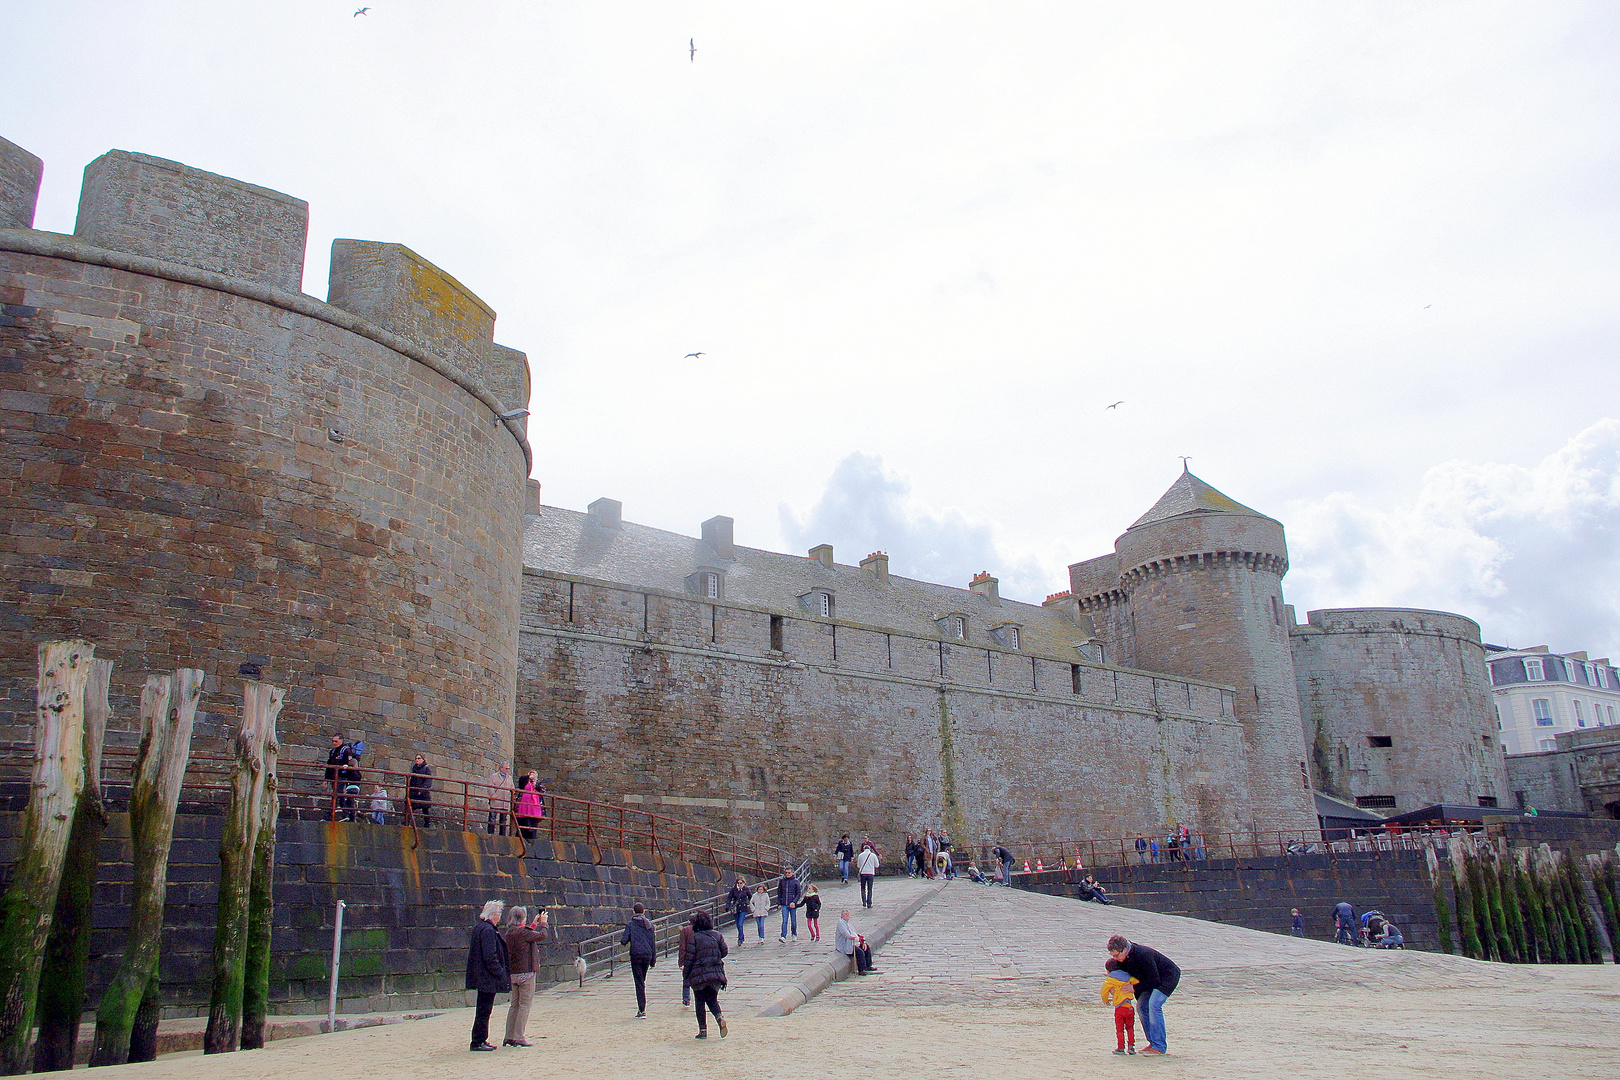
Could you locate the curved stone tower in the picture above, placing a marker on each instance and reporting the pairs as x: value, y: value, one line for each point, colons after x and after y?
x: 205, y: 467
x: 1397, y: 709
x: 1194, y: 588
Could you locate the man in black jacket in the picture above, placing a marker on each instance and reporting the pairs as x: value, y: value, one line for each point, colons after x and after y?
x: 487, y: 970
x: 1156, y: 977
x: 788, y: 895
x: 643, y: 942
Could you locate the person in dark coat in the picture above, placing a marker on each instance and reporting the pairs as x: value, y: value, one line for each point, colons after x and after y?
x: 706, y: 971
x: 1156, y: 978
x: 788, y: 894
x: 737, y: 904
x: 643, y: 942
x: 685, y: 956
x: 419, y: 795
x: 487, y: 970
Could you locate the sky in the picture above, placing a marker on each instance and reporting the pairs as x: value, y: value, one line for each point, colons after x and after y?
x: 1356, y: 261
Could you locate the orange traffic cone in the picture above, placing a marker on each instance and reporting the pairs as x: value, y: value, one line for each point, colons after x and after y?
x: 1026, y: 866
x: 1038, y: 867
x: 1078, y: 865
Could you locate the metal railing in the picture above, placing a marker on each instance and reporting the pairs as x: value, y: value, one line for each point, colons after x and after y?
x: 307, y: 792
x: 1122, y: 851
x: 601, y: 953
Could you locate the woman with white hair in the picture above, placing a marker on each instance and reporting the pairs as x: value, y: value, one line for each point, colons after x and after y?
x: 487, y: 970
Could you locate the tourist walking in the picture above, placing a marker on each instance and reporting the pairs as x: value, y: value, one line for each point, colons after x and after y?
x: 852, y: 945
x: 1200, y: 852
x: 1141, y: 850
x: 1156, y: 978
x: 867, y: 864
x: 381, y: 806
x: 788, y: 894
x: 684, y: 956
x: 912, y: 860
x: 759, y: 906
x: 523, y: 940
x: 1298, y: 928
x: 341, y: 770
x: 500, y: 799
x: 528, y: 806
x: 706, y: 971
x: 643, y: 942
x: 846, y: 854
x: 812, y: 912
x: 487, y: 970
x: 419, y: 793
x: 737, y: 904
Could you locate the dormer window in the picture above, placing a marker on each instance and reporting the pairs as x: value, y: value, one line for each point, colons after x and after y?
x: 707, y: 582
x: 1006, y: 634
x: 818, y: 602
x: 1532, y: 670
x: 954, y: 627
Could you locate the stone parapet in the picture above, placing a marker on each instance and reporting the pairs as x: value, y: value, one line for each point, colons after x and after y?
x: 20, y: 173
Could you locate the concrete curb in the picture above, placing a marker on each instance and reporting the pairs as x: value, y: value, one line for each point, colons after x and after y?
x: 824, y: 974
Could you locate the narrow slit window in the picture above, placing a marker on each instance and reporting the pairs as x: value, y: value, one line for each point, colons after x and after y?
x: 1074, y: 677
x: 1380, y: 740
x: 776, y: 633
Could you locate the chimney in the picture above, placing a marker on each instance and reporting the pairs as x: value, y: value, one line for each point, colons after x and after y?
x: 985, y: 586
x: 717, y: 534
x: 607, y: 512
x: 877, y: 564
x: 531, y: 499
x: 822, y: 553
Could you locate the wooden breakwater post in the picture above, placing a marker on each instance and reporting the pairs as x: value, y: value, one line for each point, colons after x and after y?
x: 29, y: 902
x: 261, y: 893
x: 126, y: 1020
x: 67, y: 950
x: 261, y: 703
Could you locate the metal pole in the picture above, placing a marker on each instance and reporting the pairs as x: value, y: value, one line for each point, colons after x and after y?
x: 337, y: 955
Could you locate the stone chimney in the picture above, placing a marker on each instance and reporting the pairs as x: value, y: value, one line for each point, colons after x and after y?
x: 822, y: 553
x: 1064, y: 603
x: 985, y: 586
x: 717, y: 534
x: 877, y: 564
x: 531, y: 498
x: 607, y: 512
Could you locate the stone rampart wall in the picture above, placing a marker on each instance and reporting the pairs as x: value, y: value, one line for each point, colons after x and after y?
x: 668, y: 701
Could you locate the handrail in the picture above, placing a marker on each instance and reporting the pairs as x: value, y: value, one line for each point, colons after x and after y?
x: 1121, y: 851
x: 305, y: 791
x: 667, y: 928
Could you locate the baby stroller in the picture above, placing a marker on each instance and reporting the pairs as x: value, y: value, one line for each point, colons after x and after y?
x: 1377, y: 932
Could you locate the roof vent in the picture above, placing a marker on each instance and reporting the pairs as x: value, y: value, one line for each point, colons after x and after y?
x: 822, y: 553
x: 717, y: 534
x: 607, y: 512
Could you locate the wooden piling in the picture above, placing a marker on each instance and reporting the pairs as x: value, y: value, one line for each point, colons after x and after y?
x: 261, y: 896
x: 67, y: 950
x: 168, y: 709
x: 236, y: 850
x: 29, y: 902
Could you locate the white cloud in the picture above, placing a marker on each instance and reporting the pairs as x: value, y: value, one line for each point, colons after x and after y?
x: 1528, y: 552
x: 866, y: 507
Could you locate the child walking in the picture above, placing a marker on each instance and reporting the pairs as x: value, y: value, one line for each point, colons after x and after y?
x: 1116, y: 991
x: 812, y: 912
x: 759, y: 906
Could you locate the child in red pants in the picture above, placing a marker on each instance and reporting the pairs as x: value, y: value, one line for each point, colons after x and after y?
x: 1116, y: 991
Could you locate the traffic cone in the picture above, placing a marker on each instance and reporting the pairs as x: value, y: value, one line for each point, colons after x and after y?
x: 1078, y: 865
x: 1026, y: 866
x: 1038, y: 867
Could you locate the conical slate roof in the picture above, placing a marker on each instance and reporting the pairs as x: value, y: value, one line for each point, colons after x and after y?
x: 1190, y: 495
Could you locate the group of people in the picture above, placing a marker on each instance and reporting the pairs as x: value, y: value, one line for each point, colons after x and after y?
x: 744, y: 904
x: 501, y: 961
x: 866, y: 863
x: 1178, y: 845
x: 929, y: 855
x: 1375, y: 931
x: 521, y: 804
x: 1137, y: 982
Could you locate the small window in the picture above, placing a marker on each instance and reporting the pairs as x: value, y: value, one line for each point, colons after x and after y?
x: 1611, y: 714
x: 1580, y: 714
x: 1541, y: 708
x: 1380, y: 740
x: 1374, y: 802
x: 711, y: 586
x: 776, y: 632
x: 824, y: 605
x: 1487, y: 800
x: 1487, y: 740
x: 1532, y: 670
x: 959, y: 628
x: 1074, y: 677
x: 1549, y: 744
x: 1276, y: 612
x: 1012, y: 637
x: 1603, y: 677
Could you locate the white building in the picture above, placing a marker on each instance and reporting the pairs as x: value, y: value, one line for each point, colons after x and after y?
x: 1540, y: 693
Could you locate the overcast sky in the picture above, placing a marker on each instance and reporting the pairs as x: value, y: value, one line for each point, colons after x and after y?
x: 1359, y: 261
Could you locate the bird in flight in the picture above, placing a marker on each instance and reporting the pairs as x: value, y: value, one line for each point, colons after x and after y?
x: 692, y: 44
x: 691, y: 356
x: 1426, y: 307
x: 361, y: 11
x: 1115, y: 405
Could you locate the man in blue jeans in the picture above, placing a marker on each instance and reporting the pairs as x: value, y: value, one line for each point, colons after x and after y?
x: 788, y: 894
x: 737, y: 904
x: 1156, y: 978
x: 846, y: 855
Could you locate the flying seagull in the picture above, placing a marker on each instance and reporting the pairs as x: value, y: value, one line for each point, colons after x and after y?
x: 692, y: 44
x: 1115, y: 405
x: 691, y: 356
x: 361, y: 11
x: 1426, y: 307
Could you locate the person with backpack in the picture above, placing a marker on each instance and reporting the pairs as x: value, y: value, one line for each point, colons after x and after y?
x: 705, y: 970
